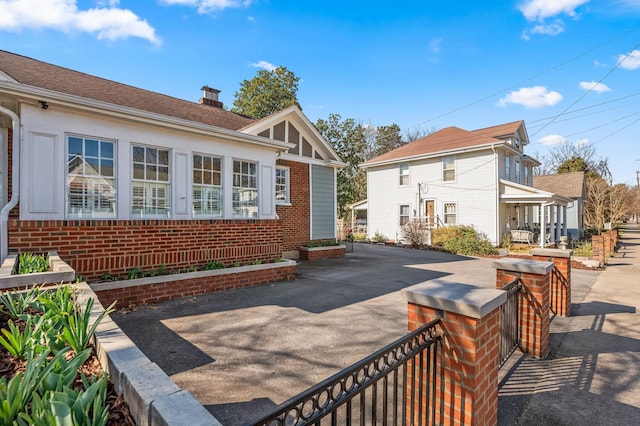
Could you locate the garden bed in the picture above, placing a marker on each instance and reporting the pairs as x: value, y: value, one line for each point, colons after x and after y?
x: 59, y: 272
x: 323, y: 252
x: 160, y: 288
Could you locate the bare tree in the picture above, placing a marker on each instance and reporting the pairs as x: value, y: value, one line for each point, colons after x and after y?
x: 620, y: 203
x: 596, y: 204
x: 573, y: 153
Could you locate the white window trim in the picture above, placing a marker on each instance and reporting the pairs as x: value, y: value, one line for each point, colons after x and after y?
x: 400, y: 175
x: 169, y: 183
x: 400, y: 215
x: 287, y: 201
x: 455, y: 168
x: 68, y: 215
x: 444, y: 213
x: 257, y: 188
x: 222, y: 187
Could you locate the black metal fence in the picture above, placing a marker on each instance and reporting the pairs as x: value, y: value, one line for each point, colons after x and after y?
x: 396, y: 385
x: 510, y: 320
x: 559, y: 288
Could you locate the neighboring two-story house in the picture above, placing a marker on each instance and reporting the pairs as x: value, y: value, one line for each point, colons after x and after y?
x: 454, y: 176
x: 114, y: 177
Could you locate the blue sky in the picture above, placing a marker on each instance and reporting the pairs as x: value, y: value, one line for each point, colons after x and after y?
x: 569, y: 68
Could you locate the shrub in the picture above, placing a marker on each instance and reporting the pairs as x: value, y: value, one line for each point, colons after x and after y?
x: 465, y: 240
x: 442, y: 234
x: 379, y: 237
x: 416, y: 232
x: 29, y: 263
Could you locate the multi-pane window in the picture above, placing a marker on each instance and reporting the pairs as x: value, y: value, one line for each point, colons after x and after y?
x: 207, y: 185
x: 150, y: 193
x: 507, y: 167
x: 91, y: 179
x: 449, y: 169
x: 245, y: 189
x: 517, y: 171
x: 450, y: 213
x: 404, y: 174
x: 404, y: 214
x: 282, y: 185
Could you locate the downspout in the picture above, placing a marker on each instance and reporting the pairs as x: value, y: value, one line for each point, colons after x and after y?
x: 15, y: 183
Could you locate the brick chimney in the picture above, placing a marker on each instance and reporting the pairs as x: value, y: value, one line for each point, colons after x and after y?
x: 210, y: 97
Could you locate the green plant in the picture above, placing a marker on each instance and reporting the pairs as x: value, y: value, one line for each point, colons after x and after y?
x: 507, y: 240
x: 236, y: 264
x: 20, y: 343
x: 466, y: 241
x: 213, y: 264
x: 162, y: 270
x: 29, y: 263
x: 328, y: 243
x: 107, y: 277
x: 16, y: 303
x: 134, y: 273
x: 256, y: 262
x: 379, y: 237
x: 76, y: 331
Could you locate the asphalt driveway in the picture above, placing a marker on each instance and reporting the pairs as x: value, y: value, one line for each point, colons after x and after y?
x: 241, y: 352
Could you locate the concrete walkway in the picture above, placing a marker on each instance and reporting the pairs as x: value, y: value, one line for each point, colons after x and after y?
x: 593, y: 374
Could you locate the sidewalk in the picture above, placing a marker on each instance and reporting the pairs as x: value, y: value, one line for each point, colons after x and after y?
x: 593, y: 374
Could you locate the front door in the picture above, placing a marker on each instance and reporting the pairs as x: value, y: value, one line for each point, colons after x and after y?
x: 430, y: 211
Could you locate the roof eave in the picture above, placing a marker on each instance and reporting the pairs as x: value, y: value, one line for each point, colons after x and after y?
x: 431, y: 155
x: 87, y: 104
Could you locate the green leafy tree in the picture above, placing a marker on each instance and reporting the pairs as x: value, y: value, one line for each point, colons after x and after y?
x: 266, y: 93
x: 347, y: 137
x: 387, y: 139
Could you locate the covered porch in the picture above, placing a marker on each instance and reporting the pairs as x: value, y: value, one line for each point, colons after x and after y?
x: 531, y: 215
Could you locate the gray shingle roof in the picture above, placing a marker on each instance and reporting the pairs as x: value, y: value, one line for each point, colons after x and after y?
x: 570, y: 185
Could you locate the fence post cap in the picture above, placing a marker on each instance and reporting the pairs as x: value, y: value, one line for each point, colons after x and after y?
x: 536, y: 267
x: 547, y: 252
x: 463, y: 299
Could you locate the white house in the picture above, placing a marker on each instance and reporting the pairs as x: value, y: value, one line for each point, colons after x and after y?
x: 114, y: 177
x: 454, y: 176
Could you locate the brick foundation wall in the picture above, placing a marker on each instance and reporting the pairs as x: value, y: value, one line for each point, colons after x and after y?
x: 154, y: 293
x: 296, y: 226
x: 95, y: 248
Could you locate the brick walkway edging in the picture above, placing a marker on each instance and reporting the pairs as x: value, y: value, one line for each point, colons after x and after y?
x: 154, y: 399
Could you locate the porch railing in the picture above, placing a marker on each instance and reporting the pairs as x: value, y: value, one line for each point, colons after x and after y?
x: 395, y: 385
x: 510, y: 320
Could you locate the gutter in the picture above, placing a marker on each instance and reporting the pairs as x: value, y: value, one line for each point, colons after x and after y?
x: 15, y: 183
x: 497, y: 192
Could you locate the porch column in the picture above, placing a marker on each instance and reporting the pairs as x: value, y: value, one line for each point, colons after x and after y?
x: 543, y: 224
x: 564, y: 221
x: 552, y: 224
x: 558, y: 228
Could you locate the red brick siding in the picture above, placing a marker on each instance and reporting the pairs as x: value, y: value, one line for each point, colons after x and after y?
x: 94, y: 248
x: 154, y: 293
x: 296, y: 218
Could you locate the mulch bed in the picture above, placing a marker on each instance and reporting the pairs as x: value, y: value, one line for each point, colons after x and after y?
x: 119, y: 414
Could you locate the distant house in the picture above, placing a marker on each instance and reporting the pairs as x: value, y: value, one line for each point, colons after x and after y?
x: 114, y: 177
x: 571, y: 185
x: 454, y: 176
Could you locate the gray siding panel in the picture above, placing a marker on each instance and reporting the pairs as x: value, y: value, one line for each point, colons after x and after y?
x: 323, y: 207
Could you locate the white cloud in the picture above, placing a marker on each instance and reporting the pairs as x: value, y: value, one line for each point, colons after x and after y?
x: 109, y: 23
x: 631, y: 61
x: 552, y: 140
x: 531, y: 97
x: 209, y: 6
x: 264, y: 65
x: 594, y: 86
x: 549, y: 29
x: 537, y: 10
x: 435, y: 45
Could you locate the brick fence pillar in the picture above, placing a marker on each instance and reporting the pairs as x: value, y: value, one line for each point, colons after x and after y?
x: 597, y: 246
x: 470, y: 321
x: 535, y: 307
x: 560, y: 278
x: 607, y: 243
